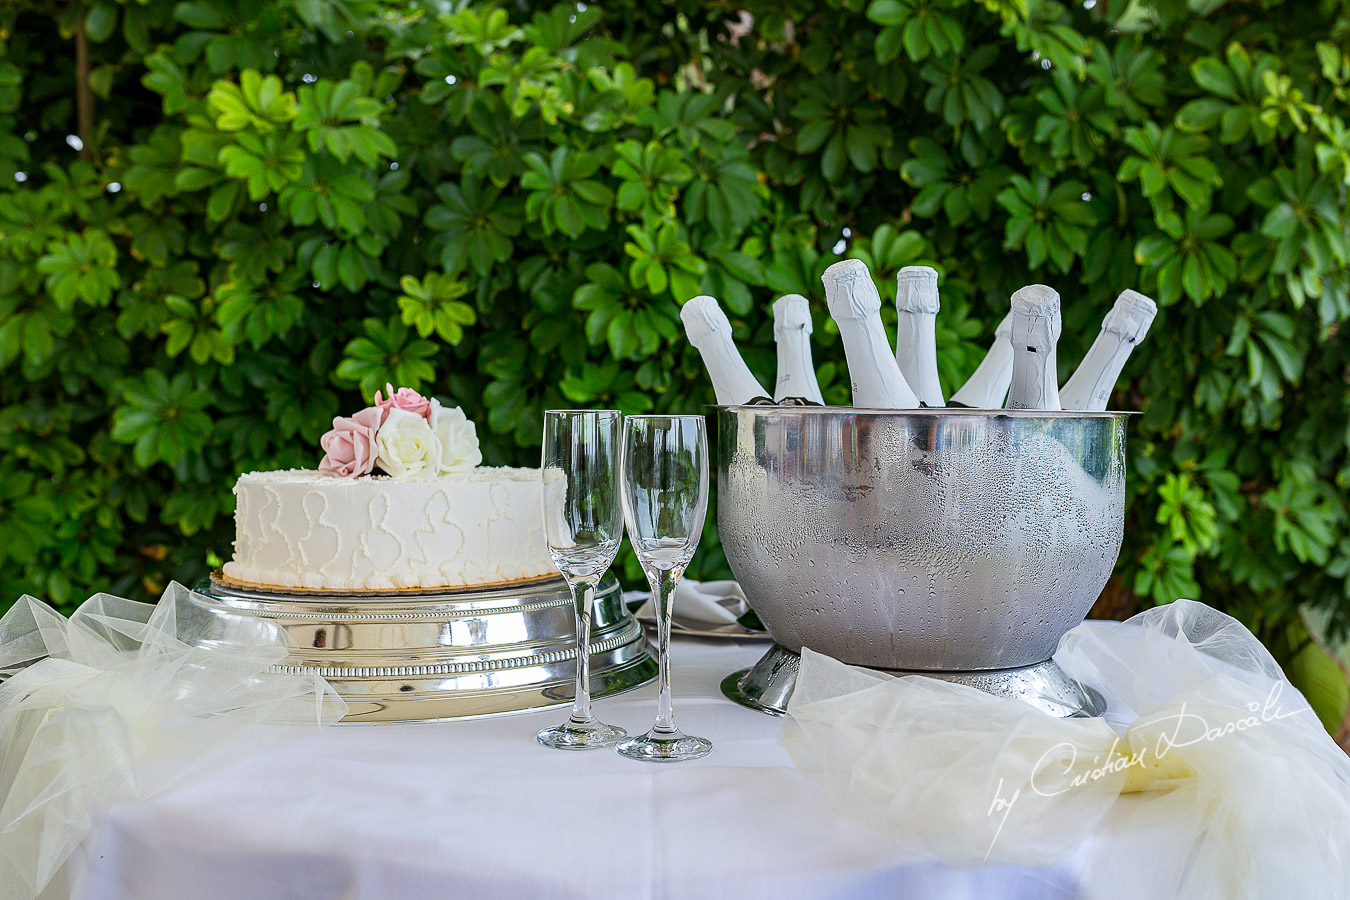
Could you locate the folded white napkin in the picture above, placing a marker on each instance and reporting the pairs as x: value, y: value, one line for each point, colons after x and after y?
x: 114, y: 705
x: 1210, y: 777
x: 699, y: 604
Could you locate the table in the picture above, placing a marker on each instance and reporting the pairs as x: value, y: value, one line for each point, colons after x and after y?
x: 476, y: 809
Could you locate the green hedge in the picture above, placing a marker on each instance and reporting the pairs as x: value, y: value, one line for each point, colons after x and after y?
x: 276, y: 207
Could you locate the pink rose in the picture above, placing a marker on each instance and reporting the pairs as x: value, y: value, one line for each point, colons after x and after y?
x: 405, y: 399
x: 349, y: 449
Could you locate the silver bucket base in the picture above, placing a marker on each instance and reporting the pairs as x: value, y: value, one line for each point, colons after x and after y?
x: 767, y: 685
x: 419, y: 656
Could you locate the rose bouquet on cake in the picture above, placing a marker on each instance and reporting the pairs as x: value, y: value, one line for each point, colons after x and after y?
x: 405, y: 435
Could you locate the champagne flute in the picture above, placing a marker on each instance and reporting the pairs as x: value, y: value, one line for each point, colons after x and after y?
x: 583, y: 526
x: 665, y: 497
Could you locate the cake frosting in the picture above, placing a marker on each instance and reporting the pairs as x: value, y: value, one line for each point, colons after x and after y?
x: 399, y: 501
x: 305, y: 529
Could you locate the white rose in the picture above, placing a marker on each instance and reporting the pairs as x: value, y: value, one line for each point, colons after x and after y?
x: 407, y: 446
x: 458, y: 438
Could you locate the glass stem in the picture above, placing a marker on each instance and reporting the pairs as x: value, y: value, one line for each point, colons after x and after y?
x: 583, y: 596
x: 663, y: 598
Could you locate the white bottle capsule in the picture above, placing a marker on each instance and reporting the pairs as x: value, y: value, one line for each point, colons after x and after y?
x: 987, y: 387
x: 792, y: 333
x: 1089, y: 387
x: 856, y: 307
x: 709, y: 331
x: 916, y: 309
x: 1035, y: 334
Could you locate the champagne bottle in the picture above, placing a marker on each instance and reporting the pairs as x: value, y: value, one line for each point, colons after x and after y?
x: 916, y: 308
x: 709, y: 331
x: 792, y: 333
x: 988, y: 385
x: 1035, y: 332
x: 856, y: 307
x: 1089, y: 387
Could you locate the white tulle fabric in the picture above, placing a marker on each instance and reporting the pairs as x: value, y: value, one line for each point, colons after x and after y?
x: 1210, y: 777
x: 113, y: 705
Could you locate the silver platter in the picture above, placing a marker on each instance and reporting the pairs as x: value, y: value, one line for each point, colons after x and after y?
x: 767, y: 685
x: 731, y: 631
x: 427, y: 656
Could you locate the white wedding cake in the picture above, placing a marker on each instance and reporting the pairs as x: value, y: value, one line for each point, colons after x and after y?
x: 436, y: 519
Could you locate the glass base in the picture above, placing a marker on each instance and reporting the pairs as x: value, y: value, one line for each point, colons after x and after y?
x: 574, y: 736
x: 656, y: 746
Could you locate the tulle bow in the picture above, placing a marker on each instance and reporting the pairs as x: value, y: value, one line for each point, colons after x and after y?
x: 1209, y: 776
x: 123, y: 701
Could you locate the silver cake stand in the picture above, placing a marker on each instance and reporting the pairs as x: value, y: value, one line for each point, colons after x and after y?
x: 405, y: 656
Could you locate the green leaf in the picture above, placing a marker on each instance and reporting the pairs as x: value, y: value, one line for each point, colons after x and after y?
x: 431, y: 305
x: 1212, y: 75
x: 100, y: 21
x: 388, y: 353
x: 1322, y: 682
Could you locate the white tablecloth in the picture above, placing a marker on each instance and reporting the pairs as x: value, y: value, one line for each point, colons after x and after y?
x: 476, y: 809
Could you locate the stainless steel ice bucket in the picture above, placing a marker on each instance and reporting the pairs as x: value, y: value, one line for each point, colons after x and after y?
x: 940, y: 539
